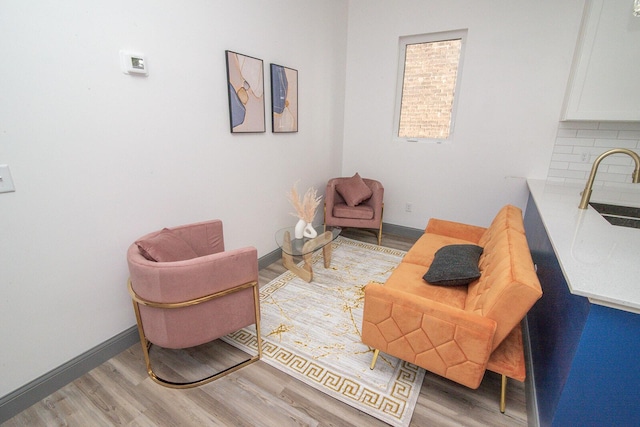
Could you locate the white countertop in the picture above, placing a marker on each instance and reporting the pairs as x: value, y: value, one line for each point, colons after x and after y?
x: 600, y: 261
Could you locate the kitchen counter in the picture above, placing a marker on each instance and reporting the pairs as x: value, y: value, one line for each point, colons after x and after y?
x: 583, y: 332
x: 600, y: 261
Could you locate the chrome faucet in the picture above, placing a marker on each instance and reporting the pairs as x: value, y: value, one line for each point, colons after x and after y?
x: 586, y: 194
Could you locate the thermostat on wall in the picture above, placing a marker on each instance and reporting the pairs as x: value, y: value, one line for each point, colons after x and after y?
x: 133, y: 63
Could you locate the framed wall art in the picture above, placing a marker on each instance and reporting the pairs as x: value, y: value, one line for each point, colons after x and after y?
x: 284, y: 99
x: 245, y: 84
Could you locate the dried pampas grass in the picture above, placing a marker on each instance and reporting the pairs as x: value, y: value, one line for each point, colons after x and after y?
x: 306, y: 206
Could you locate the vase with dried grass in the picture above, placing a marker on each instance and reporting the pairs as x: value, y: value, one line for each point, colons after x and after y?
x: 305, y: 209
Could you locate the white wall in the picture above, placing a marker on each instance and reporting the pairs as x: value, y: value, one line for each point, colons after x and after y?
x: 516, y: 65
x: 99, y: 157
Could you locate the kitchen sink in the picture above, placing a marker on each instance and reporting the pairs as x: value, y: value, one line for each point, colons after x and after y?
x: 624, y: 216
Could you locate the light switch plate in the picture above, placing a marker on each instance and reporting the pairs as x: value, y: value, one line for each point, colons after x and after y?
x: 6, y: 182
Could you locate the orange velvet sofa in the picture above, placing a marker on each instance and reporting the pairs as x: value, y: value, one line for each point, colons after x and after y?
x: 458, y: 332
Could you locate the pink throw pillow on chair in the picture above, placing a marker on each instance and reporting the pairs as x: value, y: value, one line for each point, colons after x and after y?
x: 354, y: 190
x: 166, y: 246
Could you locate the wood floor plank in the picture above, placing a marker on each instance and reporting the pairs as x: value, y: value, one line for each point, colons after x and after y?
x: 327, y: 410
x: 119, y: 392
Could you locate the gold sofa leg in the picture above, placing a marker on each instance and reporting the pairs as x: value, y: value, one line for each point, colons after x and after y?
x: 503, y: 394
x: 375, y: 358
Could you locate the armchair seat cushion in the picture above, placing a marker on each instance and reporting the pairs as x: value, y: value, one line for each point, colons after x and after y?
x: 342, y: 210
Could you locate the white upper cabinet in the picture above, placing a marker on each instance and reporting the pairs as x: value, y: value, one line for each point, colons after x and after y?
x: 605, y: 76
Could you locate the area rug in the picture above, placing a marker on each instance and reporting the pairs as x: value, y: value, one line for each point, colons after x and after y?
x: 311, y: 331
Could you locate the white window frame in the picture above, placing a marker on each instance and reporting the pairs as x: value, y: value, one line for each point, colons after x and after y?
x: 426, y: 38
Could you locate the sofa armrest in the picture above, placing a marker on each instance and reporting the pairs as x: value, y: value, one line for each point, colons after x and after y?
x: 458, y: 230
x: 448, y: 341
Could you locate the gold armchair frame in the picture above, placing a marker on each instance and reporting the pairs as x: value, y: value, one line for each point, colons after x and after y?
x: 146, y: 344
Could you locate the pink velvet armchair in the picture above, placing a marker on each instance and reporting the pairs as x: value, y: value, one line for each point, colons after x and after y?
x: 187, y: 291
x: 354, y: 202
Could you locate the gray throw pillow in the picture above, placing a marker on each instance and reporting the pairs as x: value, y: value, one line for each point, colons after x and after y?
x: 454, y: 265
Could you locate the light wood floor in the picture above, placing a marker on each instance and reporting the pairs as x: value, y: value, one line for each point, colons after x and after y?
x: 119, y: 392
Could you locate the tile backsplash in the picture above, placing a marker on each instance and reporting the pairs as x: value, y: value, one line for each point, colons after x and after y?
x: 579, y: 143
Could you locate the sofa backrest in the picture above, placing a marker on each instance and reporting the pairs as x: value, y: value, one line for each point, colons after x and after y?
x: 508, y: 286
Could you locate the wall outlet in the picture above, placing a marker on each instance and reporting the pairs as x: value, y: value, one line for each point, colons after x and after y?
x: 408, y: 207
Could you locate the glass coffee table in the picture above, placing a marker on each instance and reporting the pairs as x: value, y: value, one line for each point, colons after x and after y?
x: 305, y: 248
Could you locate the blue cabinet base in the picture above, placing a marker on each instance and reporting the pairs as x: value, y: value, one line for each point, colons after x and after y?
x: 585, y: 357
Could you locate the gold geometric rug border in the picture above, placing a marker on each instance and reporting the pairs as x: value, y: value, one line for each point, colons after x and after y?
x: 394, y: 406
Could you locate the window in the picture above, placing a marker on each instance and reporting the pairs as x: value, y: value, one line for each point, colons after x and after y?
x: 429, y: 72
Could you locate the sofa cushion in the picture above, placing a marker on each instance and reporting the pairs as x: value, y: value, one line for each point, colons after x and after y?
x: 342, y: 210
x: 423, y: 251
x: 454, y: 265
x: 508, y: 357
x: 407, y: 277
x: 353, y: 190
x: 165, y: 246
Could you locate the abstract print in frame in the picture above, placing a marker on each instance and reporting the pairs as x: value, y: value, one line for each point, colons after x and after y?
x: 284, y: 99
x: 245, y: 83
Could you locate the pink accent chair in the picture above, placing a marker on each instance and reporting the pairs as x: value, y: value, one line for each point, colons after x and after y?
x: 343, y: 206
x: 187, y: 291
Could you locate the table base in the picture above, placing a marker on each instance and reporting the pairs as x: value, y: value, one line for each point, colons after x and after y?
x: 306, y: 271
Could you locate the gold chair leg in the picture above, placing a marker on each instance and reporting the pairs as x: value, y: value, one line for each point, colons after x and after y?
x: 196, y: 383
x: 324, y: 218
x: 375, y: 358
x: 380, y: 229
x: 503, y: 394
